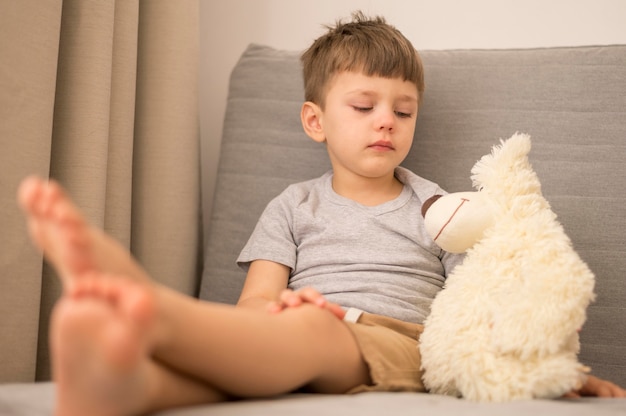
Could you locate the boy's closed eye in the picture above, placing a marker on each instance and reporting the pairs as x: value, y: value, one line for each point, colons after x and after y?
x: 403, y: 114
x: 400, y: 114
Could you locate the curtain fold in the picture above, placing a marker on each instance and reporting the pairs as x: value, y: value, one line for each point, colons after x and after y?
x: 100, y: 95
x: 166, y: 179
x: 29, y: 49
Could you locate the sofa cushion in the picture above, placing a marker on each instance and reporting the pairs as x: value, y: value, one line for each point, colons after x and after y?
x: 37, y: 399
x: 572, y: 101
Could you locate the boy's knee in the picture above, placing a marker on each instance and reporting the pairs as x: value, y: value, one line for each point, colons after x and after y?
x: 341, y: 365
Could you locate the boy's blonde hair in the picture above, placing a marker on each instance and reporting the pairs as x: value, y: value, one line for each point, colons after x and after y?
x: 367, y: 45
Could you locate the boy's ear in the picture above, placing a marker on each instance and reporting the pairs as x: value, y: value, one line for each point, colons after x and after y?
x: 310, y: 115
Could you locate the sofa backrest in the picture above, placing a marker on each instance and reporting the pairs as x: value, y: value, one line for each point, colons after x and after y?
x: 572, y: 101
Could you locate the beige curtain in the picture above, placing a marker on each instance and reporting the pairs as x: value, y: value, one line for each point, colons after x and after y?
x: 101, y: 95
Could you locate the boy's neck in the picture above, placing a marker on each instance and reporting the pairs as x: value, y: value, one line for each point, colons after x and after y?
x: 367, y: 191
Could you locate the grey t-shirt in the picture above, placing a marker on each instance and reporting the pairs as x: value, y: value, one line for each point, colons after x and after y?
x: 377, y: 259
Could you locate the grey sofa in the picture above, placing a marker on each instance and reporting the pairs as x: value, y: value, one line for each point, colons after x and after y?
x: 572, y: 101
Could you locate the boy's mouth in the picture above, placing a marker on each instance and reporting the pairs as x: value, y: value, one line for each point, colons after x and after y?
x: 382, y: 145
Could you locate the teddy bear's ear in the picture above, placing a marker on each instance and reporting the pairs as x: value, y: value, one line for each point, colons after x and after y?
x: 428, y: 203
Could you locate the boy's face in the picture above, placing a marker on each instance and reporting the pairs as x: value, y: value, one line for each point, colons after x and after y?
x: 367, y: 123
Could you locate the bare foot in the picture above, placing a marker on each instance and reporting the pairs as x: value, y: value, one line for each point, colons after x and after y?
x: 69, y: 243
x: 100, y: 342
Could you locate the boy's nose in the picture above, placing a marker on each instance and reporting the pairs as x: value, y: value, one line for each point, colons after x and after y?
x: 386, y: 121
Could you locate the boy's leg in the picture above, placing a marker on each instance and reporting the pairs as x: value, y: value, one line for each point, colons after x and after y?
x: 105, y: 328
x: 101, y: 339
x: 243, y: 352
x: 248, y: 353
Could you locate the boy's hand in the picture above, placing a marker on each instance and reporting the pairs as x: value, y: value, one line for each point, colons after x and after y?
x: 595, y: 386
x: 291, y: 299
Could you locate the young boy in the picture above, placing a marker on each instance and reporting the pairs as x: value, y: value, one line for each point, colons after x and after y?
x: 324, y: 250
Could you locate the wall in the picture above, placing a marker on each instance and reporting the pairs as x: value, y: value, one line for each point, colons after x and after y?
x: 227, y: 27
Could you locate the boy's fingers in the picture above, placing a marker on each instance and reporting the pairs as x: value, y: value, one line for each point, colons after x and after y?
x: 296, y: 298
x: 274, y: 307
x: 312, y: 296
x: 285, y: 293
x: 288, y: 297
x: 613, y: 390
x: 595, y: 386
x: 336, y: 310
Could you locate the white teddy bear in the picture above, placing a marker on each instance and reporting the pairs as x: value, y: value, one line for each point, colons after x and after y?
x: 506, y: 325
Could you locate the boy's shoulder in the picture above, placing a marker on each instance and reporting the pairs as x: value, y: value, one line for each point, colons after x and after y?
x: 305, y: 187
x: 299, y: 192
x: 422, y: 187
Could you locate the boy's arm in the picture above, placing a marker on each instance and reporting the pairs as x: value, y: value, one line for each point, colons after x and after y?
x: 264, y: 283
x: 265, y: 289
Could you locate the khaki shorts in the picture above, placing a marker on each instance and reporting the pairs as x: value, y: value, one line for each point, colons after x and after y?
x: 390, y: 349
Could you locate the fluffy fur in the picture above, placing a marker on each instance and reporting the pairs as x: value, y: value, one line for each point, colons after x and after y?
x: 506, y: 325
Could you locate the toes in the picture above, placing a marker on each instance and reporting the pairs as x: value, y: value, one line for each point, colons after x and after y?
x: 95, y: 285
x: 55, y: 225
x: 55, y: 205
x: 28, y: 193
x: 132, y: 299
x: 45, y: 199
x: 48, y: 203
